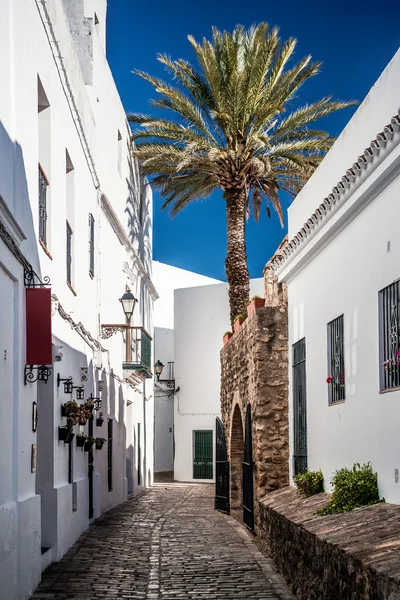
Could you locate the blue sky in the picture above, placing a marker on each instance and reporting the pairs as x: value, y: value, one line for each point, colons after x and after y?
x: 354, y: 41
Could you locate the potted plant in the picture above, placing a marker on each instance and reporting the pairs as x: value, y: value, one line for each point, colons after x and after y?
x: 237, y: 321
x: 70, y: 409
x: 227, y: 337
x: 99, y: 420
x: 65, y: 434
x: 80, y: 440
x: 99, y: 442
x: 255, y: 302
x: 89, y: 442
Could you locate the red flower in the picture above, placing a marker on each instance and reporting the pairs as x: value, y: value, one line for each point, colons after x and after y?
x: 329, y: 379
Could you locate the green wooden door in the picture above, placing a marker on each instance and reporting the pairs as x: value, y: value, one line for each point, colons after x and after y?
x: 202, y: 454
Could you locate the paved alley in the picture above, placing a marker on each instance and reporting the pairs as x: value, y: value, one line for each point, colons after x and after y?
x: 167, y: 544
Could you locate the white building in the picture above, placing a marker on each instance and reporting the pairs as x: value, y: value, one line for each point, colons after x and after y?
x: 167, y: 278
x: 73, y: 208
x: 192, y: 345
x: 342, y: 270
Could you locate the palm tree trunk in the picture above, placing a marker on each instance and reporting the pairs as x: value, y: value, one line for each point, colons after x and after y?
x: 237, y: 273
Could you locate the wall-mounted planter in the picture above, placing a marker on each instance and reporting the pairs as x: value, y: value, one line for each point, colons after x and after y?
x: 227, y: 337
x: 65, y: 434
x: 80, y: 441
x: 88, y: 446
x: 99, y: 443
x: 254, y: 304
x: 82, y: 421
x: 237, y: 324
x: 99, y: 422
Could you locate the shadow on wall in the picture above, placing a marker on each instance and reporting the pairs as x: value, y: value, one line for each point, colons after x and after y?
x: 14, y: 193
x: 139, y: 213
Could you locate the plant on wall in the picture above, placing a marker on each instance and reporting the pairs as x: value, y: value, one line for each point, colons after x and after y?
x: 309, y: 483
x: 353, y: 488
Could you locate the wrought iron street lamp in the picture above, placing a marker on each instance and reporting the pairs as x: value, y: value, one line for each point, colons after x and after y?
x: 128, y: 302
x: 158, y: 368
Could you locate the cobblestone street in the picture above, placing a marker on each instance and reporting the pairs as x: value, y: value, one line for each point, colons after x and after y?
x: 168, y: 544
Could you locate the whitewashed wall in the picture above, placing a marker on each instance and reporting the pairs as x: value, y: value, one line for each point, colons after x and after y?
x: 339, y: 271
x: 163, y: 403
x: 201, y: 319
x: 43, y: 508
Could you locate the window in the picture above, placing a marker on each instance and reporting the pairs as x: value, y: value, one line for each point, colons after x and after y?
x: 91, y: 245
x: 69, y: 254
x: 70, y: 211
x: 43, y: 108
x: 110, y: 455
x: 389, y: 359
x: 43, y: 183
x: 336, y: 379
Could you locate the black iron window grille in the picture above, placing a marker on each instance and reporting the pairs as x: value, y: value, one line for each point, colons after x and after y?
x: 336, y: 374
x: 300, y: 461
x: 91, y: 244
x: 69, y: 254
x: 43, y: 185
x: 389, y: 353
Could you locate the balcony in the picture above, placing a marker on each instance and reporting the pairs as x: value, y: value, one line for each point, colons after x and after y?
x: 136, y: 361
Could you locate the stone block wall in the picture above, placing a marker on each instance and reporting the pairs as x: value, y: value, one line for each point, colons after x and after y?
x: 254, y: 370
x: 355, y: 555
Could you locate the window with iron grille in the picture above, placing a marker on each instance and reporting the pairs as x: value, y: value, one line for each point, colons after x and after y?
x: 389, y: 355
x: 69, y: 253
x: 91, y: 244
x: 336, y: 377
x: 43, y: 183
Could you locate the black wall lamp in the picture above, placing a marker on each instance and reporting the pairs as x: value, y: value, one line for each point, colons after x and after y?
x: 80, y: 392
x: 158, y: 369
x: 68, y: 384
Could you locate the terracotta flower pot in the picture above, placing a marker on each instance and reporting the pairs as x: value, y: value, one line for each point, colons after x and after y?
x: 237, y: 324
x: 254, y: 304
x: 227, y: 337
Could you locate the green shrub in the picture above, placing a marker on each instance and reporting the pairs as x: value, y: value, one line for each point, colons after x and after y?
x: 309, y: 483
x: 352, y: 488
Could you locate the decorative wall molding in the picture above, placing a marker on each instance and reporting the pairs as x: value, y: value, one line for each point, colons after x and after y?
x: 377, y: 151
x: 78, y: 327
x: 12, y: 244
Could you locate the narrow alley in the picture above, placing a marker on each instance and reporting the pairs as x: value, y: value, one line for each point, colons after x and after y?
x: 169, y: 543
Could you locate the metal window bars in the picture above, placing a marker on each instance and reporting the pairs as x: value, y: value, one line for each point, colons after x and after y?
x: 336, y: 372
x: 389, y: 358
x: 69, y: 253
x: 43, y: 185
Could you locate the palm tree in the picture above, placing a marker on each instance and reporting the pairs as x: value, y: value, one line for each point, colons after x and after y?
x: 232, y: 129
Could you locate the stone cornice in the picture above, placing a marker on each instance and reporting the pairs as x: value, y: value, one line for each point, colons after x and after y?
x: 373, y: 156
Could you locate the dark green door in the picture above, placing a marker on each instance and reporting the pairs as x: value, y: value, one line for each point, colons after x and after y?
x: 202, y: 454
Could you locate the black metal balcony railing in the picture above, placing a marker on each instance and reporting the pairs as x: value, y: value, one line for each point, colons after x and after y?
x: 43, y: 184
x: 139, y: 359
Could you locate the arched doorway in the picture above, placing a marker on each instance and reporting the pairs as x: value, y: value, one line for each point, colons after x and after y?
x: 236, y: 454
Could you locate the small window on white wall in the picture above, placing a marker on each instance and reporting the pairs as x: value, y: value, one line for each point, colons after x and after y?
x: 44, y: 147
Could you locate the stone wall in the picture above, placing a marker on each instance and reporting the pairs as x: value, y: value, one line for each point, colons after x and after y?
x: 355, y: 555
x: 254, y: 370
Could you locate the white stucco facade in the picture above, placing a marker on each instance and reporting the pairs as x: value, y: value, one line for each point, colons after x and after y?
x: 60, y: 109
x: 344, y: 255
x: 201, y: 319
x: 167, y: 279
